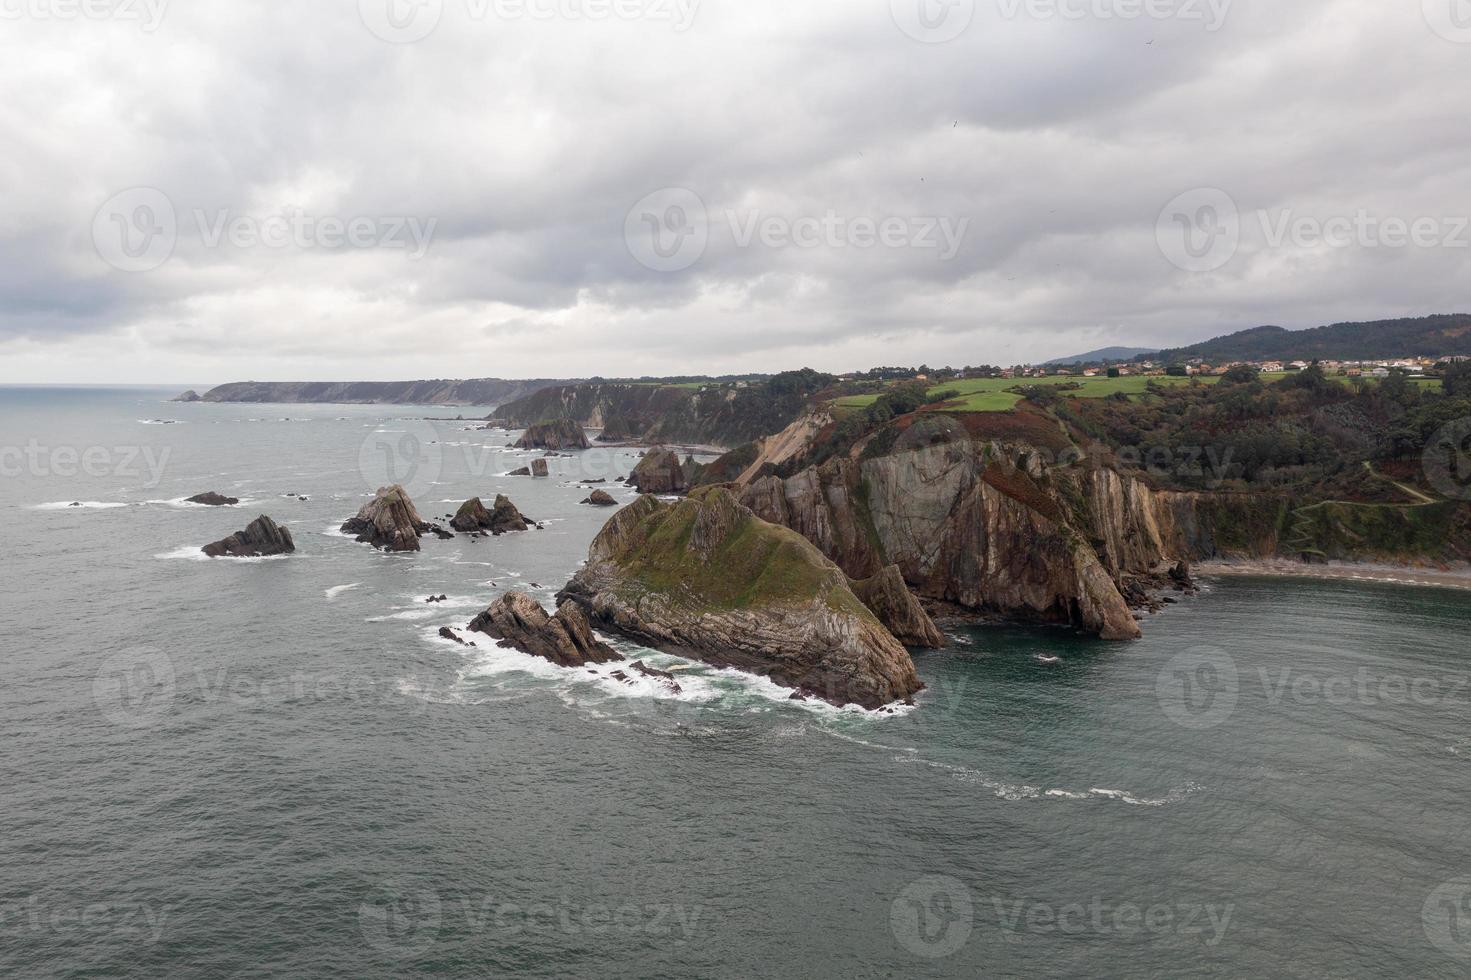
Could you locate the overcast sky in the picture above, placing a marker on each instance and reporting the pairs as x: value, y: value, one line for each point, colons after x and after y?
x: 377, y: 189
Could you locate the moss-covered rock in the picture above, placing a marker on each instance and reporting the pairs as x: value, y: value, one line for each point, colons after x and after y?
x: 708, y: 578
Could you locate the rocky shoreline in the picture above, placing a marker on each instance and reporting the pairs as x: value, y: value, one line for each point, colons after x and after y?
x: 1440, y: 578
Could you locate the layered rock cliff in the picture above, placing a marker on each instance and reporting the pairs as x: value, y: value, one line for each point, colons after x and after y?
x: 991, y: 528
x: 705, y: 577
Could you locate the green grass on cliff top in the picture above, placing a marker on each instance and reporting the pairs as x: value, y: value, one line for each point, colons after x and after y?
x: 991, y: 394
x: 756, y: 564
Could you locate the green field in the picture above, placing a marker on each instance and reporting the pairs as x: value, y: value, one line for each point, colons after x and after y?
x: 992, y: 394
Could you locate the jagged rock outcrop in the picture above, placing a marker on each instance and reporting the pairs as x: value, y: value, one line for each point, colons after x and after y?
x: 389, y: 521
x: 886, y: 595
x: 704, y: 577
x: 557, y: 434
x: 601, y: 498
x: 539, y: 468
x: 262, y: 537
x: 212, y: 499
x: 660, y: 471
x: 473, y: 517
x: 189, y: 396
x: 523, y: 471
x: 566, y: 639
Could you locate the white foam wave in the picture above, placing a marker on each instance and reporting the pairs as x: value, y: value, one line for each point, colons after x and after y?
x: 337, y: 590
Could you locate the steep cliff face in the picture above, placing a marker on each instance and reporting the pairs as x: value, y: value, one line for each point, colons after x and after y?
x: 991, y: 528
x: 706, y: 577
x: 719, y: 413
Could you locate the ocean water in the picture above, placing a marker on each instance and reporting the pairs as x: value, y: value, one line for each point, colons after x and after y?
x: 276, y: 768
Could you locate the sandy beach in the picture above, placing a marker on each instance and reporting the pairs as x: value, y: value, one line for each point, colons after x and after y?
x: 1450, y: 578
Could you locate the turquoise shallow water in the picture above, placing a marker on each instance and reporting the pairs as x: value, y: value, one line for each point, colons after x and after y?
x: 217, y: 768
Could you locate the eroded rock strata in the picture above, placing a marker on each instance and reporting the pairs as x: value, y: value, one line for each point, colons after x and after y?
x: 389, y: 521
x: 558, y: 434
x: 503, y: 518
x: 262, y: 537
x: 706, y: 578
x: 565, y: 639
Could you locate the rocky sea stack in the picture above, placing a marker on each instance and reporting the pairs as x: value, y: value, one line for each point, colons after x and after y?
x: 566, y: 639
x: 189, y: 396
x: 504, y: 518
x: 660, y: 472
x: 706, y: 578
x: 557, y: 434
x: 601, y: 498
x: 389, y: 521
x: 213, y: 499
x: 263, y: 537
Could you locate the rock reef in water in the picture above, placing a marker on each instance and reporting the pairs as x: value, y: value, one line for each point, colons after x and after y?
x: 558, y: 434
x: 213, y: 499
x: 504, y: 518
x: 566, y: 638
x: 706, y: 578
x: 389, y: 521
x: 601, y: 498
x: 262, y: 537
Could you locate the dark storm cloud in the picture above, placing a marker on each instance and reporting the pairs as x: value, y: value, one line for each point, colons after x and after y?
x: 491, y: 167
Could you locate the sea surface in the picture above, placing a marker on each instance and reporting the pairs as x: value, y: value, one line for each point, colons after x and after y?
x: 217, y: 768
